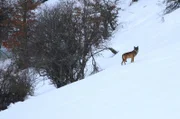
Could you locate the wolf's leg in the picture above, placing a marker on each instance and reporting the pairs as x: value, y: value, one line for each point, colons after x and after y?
x: 123, y: 62
x: 132, y: 59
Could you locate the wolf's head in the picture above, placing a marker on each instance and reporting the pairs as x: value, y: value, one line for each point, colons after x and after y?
x: 136, y: 49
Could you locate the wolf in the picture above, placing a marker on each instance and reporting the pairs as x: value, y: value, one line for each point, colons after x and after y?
x: 131, y: 55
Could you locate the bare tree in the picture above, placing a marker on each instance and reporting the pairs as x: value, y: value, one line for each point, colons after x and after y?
x: 6, y: 10
x: 69, y: 34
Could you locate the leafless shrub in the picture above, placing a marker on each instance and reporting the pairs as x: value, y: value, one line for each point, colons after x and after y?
x: 14, y: 86
x: 68, y: 35
x: 171, y: 5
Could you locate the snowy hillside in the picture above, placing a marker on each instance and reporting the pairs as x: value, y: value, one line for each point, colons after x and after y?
x: 146, y: 89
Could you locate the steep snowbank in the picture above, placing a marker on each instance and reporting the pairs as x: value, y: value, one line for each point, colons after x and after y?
x: 147, y: 89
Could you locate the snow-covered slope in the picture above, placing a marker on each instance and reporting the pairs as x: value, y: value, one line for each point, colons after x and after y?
x: 146, y: 89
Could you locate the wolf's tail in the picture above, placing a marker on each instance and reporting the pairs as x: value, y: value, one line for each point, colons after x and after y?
x: 123, y: 58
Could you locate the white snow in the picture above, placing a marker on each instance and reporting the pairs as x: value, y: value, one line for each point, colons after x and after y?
x: 146, y: 89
